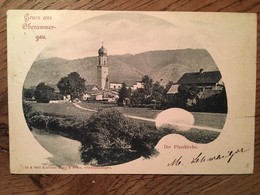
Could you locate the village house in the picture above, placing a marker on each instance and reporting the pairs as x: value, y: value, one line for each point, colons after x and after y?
x: 209, y: 83
x: 96, y: 96
x: 211, y: 80
x: 115, y: 85
x: 137, y: 85
x: 89, y: 91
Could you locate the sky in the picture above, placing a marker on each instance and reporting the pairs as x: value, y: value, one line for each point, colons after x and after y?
x: 121, y: 33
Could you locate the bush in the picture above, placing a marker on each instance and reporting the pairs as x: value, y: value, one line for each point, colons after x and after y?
x: 66, y: 126
x: 215, y: 104
x: 38, y: 120
x: 110, y: 138
x: 27, y: 110
x: 53, y: 124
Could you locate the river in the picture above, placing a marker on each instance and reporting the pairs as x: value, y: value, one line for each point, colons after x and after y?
x: 65, y: 151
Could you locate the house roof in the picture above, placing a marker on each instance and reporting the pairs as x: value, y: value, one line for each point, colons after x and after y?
x: 96, y: 93
x: 173, y: 89
x: 90, y: 87
x: 112, y: 82
x: 110, y: 92
x: 200, y: 77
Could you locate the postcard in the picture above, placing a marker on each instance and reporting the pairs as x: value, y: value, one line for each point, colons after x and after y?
x: 117, y: 92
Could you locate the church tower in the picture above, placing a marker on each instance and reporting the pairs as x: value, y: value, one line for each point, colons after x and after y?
x: 102, y: 69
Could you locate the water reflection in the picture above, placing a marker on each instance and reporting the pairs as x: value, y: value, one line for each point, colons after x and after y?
x: 65, y: 151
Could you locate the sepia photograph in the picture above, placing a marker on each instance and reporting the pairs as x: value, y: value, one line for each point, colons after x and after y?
x: 111, y: 87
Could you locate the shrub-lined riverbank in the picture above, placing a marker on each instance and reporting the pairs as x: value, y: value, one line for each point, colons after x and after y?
x: 106, y: 136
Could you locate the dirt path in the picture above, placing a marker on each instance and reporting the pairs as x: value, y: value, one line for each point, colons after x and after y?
x: 80, y: 107
x: 153, y: 120
x: 126, y: 115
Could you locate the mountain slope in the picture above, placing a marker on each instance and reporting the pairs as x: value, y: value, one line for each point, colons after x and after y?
x: 163, y: 65
x: 152, y: 61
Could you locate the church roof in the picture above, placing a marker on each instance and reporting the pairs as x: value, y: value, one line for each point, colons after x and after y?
x: 200, y: 77
x: 91, y: 87
x: 102, y: 51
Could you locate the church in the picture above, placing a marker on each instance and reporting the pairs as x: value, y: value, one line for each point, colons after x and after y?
x: 105, y: 89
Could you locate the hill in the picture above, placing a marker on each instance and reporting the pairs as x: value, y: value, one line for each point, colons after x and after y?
x: 162, y: 65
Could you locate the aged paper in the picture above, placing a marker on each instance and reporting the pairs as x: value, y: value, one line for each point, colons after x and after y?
x: 131, y: 92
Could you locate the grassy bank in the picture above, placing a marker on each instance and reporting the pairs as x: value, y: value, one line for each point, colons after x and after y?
x: 214, y: 120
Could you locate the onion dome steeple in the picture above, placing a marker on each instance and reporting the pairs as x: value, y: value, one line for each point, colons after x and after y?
x: 102, y: 51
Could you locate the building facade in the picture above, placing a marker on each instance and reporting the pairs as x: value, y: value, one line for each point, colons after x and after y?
x: 115, y: 85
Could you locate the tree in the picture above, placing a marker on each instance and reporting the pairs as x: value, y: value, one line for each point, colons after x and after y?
x: 148, y: 85
x: 138, y: 97
x: 216, y: 103
x: 28, y: 93
x: 43, y: 93
x: 72, y: 85
x: 186, y: 92
x: 110, y: 138
x: 123, y: 94
x: 157, y: 91
x: 107, y: 138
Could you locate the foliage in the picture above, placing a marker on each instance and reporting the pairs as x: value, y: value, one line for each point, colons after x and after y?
x: 185, y: 92
x: 72, y: 85
x: 43, y: 93
x: 56, y: 124
x: 27, y: 109
x: 148, y: 85
x: 167, y: 87
x: 216, y: 103
x: 138, y: 97
x: 66, y: 126
x: 199, y: 135
x: 110, y: 138
x: 28, y: 93
x: 57, y: 96
x: 157, y: 91
x: 38, y: 120
x: 123, y: 94
x: 149, y: 94
x: 107, y: 137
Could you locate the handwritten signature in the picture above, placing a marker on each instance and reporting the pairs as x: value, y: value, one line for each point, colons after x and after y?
x: 201, y: 158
